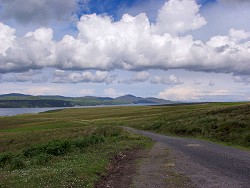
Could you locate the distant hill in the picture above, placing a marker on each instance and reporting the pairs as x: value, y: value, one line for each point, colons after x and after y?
x: 17, y: 100
x: 14, y: 95
x: 139, y: 100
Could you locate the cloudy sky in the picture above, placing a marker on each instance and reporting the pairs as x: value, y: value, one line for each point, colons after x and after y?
x: 187, y: 50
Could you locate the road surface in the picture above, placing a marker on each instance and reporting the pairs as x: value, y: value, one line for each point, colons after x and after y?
x: 206, y: 164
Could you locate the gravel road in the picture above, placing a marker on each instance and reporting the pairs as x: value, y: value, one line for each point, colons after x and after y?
x: 206, y: 164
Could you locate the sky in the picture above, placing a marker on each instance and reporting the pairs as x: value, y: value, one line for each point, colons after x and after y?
x: 181, y: 50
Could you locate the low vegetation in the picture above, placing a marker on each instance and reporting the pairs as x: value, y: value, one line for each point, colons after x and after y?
x: 230, y: 125
x: 72, y: 147
x: 69, y: 161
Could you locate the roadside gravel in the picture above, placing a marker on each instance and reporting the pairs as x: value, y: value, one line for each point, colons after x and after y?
x: 205, y: 164
x: 157, y: 170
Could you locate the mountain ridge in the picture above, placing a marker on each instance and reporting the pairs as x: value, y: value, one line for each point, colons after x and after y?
x: 18, y: 100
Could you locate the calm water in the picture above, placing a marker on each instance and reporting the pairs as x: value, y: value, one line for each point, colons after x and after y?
x: 16, y: 111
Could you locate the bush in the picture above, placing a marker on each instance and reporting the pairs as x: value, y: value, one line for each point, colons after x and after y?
x: 108, y: 131
x: 246, y: 140
x: 41, y: 154
x: 57, y: 147
x: 86, y: 141
x: 5, y: 158
x: 42, y: 159
x: 17, y: 163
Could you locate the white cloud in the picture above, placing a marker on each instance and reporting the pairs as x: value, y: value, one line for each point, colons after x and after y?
x: 111, y: 92
x: 180, y: 94
x: 35, y: 76
x: 238, y: 35
x: 137, y: 77
x: 133, y: 43
x: 178, y: 16
x: 35, y: 50
x: 188, y: 93
x: 61, y: 76
x: 172, y: 80
x: 141, y: 76
x: 7, y: 38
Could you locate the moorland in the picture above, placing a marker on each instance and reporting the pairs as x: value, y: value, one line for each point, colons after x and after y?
x: 73, y: 147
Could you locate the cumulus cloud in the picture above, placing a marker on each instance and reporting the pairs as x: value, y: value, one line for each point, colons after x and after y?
x: 178, y: 17
x: 132, y: 43
x: 238, y: 35
x: 34, y: 76
x: 141, y: 76
x: 137, y: 77
x: 35, y: 50
x: 187, y: 93
x: 180, y: 93
x: 7, y: 38
x: 172, y: 80
x: 41, y: 11
x: 61, y: 76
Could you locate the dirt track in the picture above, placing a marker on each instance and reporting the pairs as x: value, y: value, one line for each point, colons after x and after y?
x: 205, y: 164
x: 179, y: 162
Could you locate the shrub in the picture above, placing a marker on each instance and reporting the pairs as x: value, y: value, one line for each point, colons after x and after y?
x: 41, y: 154
x: 86, y: 141
x: 108, y: 131
x: 5, y: 158
x: 17, y: 163
x: 57, y: 147
x: 246, y: 140
x: 42, y: 159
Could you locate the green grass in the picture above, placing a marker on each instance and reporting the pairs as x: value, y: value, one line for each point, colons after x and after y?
x: 78, y: 168
x: 72, y: 147
x: 77, y: 162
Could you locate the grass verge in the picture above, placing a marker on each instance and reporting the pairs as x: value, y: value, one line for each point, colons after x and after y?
x: 67, y: 163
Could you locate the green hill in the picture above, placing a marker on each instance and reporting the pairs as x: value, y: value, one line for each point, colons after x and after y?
x: 16, y: 100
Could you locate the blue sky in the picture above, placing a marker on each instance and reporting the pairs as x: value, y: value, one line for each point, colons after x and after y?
x: 112, y: 7
x: 179, y: 50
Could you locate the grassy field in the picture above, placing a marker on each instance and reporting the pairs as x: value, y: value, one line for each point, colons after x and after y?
x: 72, y: 147
x: 59, y: 150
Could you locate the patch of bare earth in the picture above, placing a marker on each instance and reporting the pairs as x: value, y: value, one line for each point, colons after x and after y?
x: 150, y: 168
x: 121, y: 170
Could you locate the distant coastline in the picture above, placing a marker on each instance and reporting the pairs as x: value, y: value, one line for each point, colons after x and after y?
x: 17, y: 100
x: 20, y: 111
